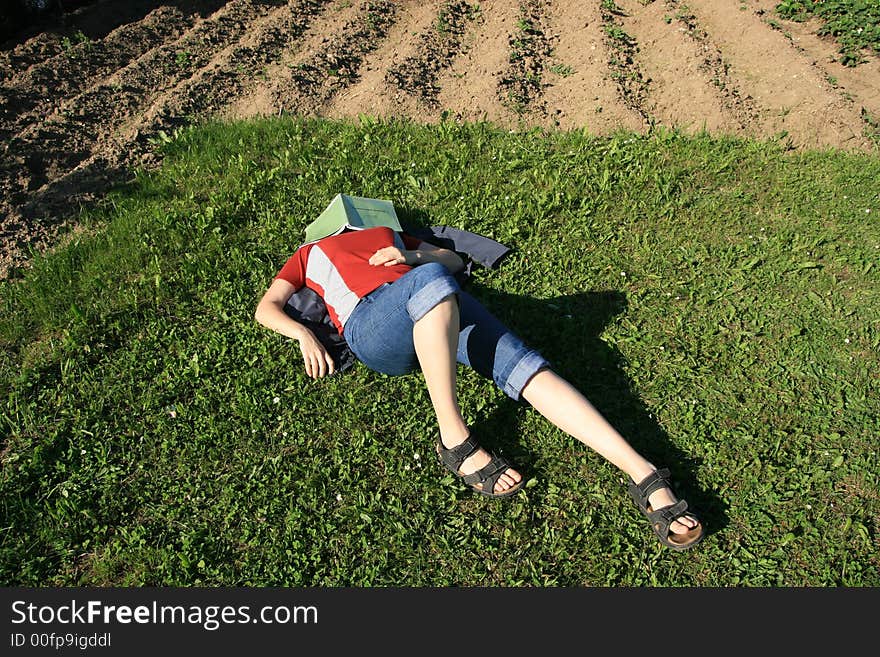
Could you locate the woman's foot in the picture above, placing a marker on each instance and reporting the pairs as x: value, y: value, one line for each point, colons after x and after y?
x: 664, y: 497
x: 672, y: 523
x: 507, y: 482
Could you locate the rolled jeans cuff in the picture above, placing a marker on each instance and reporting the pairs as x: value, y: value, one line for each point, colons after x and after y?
x: 430, y: 295
x: 525, y: 369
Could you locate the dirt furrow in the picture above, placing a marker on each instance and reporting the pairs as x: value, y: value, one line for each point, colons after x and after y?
x: 469, y: 86
x: 580, y: 92
x: 735, y: 103
x: 632, y: 83
x: 686, y: 87
x: 326, y: 62
x: 417, y: 74
x: 44, y: 164
x: 225, y: 79
x: 262, y: 96
x: 792, y: 98
x: 49, y: 36
x: 55, y: 81
x: 61, y: 32
x: 373, y: 93
x: 68, y: 136
x: 858, y: 85
x: 521, y: 87
x: 34, y: 49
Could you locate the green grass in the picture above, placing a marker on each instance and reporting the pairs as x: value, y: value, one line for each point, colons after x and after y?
x: 562, y: 70
x: 716, y: 299
x: 855, y: 24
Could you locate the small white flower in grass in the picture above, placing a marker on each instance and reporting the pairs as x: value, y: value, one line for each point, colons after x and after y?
x: 809, y: 506
x: 416, y: 456
x: 623, y: 273
x: 406, y: 467
x: 867, y: 210
x: 338, y: 497
x: 276, y: 400
x: 846, y: 340
x: 82, y: 451
x: 172, y: 413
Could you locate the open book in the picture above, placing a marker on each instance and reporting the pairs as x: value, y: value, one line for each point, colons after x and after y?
x: 354, y: 212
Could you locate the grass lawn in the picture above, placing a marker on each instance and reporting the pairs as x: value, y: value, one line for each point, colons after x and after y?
x: 717, y: 300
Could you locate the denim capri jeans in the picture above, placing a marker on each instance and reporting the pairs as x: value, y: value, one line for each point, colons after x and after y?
x: 380, y: 330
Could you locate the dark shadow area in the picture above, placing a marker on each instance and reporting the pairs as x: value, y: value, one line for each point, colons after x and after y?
x: 412, y: 217
x: 566, y: 330
x: 25, y: 19
x: 48, y: 211
x: 49, y: 169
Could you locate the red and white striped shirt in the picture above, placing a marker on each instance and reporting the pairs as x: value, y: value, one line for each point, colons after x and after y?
x: 338, y: 268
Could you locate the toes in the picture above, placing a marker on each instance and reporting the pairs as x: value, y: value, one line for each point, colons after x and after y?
x: 684, y: 524
x: 504, y: 482
x: 508, y: 480
x: 510, y: 477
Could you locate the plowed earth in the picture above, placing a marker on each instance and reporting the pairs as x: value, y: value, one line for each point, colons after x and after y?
x: 83, y: 93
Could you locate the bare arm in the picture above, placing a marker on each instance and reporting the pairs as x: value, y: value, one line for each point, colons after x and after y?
x: 426, y: 252
x: 270, y: 313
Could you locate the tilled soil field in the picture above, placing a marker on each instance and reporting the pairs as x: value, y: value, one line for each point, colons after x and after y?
x: 83, y: 93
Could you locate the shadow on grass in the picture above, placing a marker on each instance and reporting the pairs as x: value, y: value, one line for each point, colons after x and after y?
x: 567, y: 330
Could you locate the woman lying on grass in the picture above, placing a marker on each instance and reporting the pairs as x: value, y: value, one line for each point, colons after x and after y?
x: 396, y: 302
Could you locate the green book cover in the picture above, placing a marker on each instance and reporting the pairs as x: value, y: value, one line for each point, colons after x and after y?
x: 355, y: 212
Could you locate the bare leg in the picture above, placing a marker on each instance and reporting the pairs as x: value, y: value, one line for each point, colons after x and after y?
x: 436, y: 340
x: 562, y: 404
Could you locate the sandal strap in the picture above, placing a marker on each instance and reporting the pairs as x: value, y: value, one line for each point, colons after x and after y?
x: 668, y: 514
x: 661, y: 519
x: 489, y: 473
x: 454, y: 456
x: 653, y: 482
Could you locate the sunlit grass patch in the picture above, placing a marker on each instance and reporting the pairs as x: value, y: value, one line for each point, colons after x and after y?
x: 716, y: 299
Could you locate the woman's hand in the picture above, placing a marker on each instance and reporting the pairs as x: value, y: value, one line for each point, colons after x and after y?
x: 388, y: 256
x: 318, y: 362
x: 270, y: 313
x: 426, y: 252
